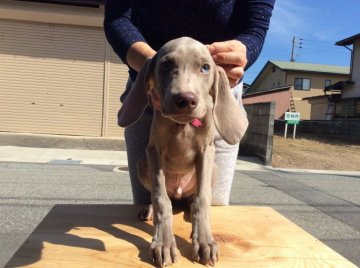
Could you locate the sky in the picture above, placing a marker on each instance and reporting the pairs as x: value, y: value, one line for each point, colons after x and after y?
x: 319, y: 23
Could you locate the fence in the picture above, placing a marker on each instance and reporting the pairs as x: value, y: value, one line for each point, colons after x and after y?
x: 347, y: 130
x: 258, y: 140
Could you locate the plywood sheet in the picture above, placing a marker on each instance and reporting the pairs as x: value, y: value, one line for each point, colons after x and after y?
x: 112, y: 236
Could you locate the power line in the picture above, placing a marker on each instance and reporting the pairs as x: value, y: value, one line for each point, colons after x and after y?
x: 311, y: 47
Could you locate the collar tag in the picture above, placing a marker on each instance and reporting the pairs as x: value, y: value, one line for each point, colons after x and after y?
x: 196, y: 123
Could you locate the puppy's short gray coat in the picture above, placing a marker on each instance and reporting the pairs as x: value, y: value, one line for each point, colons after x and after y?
x: 191, y: 97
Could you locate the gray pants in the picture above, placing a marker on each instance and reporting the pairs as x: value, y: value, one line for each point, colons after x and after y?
x: 137, y: 137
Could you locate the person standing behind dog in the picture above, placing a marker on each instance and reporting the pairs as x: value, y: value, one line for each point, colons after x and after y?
x: 235, y: 32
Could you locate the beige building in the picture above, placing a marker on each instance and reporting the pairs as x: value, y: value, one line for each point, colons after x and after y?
x: 292, y: 85
x: 58, y: 75
x: 349, y: 103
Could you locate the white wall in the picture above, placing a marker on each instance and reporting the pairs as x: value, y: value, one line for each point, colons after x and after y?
x: 353, y: 91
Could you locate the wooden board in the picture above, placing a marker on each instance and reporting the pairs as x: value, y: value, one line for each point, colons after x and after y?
x: 112, y: 236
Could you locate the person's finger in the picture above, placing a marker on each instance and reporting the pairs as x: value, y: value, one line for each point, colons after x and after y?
x: 234, y: 72
x: 233, y: 82
x: 230, y: 58
x: 231, y: 55
x: 219, y: 47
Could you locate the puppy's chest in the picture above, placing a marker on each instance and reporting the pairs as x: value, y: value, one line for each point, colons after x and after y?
x: 182, y: 144
x: 179, y: 151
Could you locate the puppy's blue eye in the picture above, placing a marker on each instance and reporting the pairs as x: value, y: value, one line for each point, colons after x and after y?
x: 205, y: 68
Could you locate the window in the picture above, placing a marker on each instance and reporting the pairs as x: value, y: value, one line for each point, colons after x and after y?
x: 327, y: 83
x: 302, y: 84
x: 273, y: 69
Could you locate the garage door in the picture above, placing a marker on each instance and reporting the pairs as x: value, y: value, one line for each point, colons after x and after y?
x: 51, y: 78
x: 116, y: 77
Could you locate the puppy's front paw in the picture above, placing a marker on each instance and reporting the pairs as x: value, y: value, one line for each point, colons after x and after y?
x: 205, y: 250
x: 163, y: 250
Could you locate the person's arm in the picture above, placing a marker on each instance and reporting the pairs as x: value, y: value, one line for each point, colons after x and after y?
x: 255, y: 23
x: 123, y: 36
x: 137, y: 55
x: 252, y: 22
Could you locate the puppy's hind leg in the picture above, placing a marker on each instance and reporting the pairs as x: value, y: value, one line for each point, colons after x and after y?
x: 146, y: 213
x: 143, y: 174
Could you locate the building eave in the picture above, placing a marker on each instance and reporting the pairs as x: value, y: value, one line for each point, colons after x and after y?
x: 348, y: 41
x: 267, y: 91
x: 338, y: 86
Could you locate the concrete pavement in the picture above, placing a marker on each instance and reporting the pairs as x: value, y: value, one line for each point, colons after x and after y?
x: 87, y: 157
x: 61, y: 156
x: 33, y: 180
x: 119, y: 158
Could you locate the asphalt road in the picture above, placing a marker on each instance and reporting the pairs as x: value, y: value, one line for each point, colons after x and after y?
x: 325, y: 205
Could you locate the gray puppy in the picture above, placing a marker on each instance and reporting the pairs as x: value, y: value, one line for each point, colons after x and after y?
x: 191, y: 97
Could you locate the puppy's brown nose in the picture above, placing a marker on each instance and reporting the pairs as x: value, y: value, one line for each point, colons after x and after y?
x: 186, y: 100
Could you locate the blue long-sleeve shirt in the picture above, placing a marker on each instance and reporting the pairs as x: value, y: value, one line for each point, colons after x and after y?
x: 159, y: 21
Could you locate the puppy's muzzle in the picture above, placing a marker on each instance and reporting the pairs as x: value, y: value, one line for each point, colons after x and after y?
x: 185, y: 101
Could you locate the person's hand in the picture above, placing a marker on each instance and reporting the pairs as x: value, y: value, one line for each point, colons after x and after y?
x: 231, y: 55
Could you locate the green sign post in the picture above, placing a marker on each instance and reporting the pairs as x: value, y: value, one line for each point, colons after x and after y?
x: 291, y: 119
x: 292, y: 122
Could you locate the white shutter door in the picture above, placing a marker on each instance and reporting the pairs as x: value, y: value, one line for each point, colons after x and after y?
x: 51, y: 78
x: 117, y: 79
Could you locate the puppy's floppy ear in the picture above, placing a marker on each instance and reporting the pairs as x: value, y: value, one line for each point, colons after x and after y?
x: 230, y: 120
x: 137, y: 100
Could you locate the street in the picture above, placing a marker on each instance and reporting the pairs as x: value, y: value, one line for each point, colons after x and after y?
x: 325, y: 205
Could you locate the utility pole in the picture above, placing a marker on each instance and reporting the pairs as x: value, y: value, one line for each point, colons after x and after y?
x: 294, y: 43
x: 292, y: 50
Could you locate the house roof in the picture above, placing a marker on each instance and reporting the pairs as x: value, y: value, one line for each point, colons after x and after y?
x: 266, y: 91
x: 348, y: 41
x: 311, y: 67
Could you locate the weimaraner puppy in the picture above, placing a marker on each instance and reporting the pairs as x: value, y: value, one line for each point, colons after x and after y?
x: 191, y: 97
